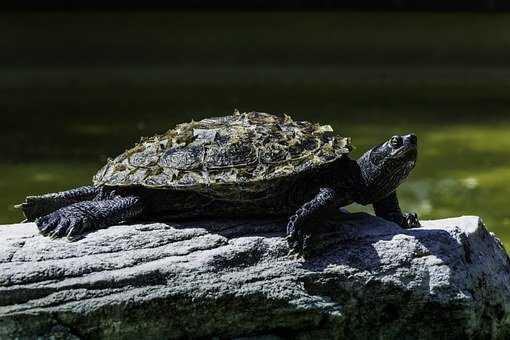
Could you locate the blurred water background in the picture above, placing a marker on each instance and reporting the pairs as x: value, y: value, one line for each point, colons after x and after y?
x: 76, y: 88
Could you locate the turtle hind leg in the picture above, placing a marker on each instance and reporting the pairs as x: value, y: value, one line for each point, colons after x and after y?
x: 37, y: 206
x: 83, y: 217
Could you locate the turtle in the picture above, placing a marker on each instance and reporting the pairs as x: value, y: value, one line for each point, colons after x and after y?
x: 240, y: 165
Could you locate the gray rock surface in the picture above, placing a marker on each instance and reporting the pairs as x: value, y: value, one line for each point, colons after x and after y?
x: 449, y: 279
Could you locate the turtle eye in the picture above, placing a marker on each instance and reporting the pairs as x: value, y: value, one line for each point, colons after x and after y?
x: 396, y: 141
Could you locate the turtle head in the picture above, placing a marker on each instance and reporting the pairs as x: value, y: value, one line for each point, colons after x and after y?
x: 386, y: 165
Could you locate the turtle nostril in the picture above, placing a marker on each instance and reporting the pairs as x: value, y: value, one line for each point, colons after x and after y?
x: 413, y: 139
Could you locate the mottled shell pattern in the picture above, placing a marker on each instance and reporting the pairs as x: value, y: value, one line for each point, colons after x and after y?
x: 240, y: 148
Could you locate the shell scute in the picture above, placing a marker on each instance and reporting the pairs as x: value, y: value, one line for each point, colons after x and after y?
x: 186, y: 157
x: 145, y: 156
x: 229, y: 155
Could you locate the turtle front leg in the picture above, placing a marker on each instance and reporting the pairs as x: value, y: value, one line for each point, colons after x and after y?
x: 389, y: 209
x: 37, y: 206
x: 296, y: 237
x: 87, y: 216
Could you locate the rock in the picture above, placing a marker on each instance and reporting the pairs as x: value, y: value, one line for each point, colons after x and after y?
x: 448, y: 279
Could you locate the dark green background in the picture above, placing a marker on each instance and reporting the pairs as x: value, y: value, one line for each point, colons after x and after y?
x: 78, y: 87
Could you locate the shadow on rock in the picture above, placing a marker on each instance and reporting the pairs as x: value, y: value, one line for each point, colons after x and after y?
x: 360, y: 240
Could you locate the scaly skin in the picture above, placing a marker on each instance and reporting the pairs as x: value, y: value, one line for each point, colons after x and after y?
x: 324, y: 199
x: 389, y: 209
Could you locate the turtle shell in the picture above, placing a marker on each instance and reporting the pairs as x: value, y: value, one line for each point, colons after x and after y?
x: 241, y: 148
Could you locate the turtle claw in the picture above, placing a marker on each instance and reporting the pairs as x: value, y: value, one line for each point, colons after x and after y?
x: 299, y: 247
x: 294, y: 255
x: 410, y: 220
x: 61, y: 229
x: 59, y: 224
x: 76, y: 227
x: 73, y: 230
x: 46, y: 224
x: 299, y: 240
x: 294, y: 245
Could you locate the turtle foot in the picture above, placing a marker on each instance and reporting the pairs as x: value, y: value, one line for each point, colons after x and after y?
x: 410, y: 220
x: 300, y: 246
x: 79, y: 218
x: 69, y: 221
